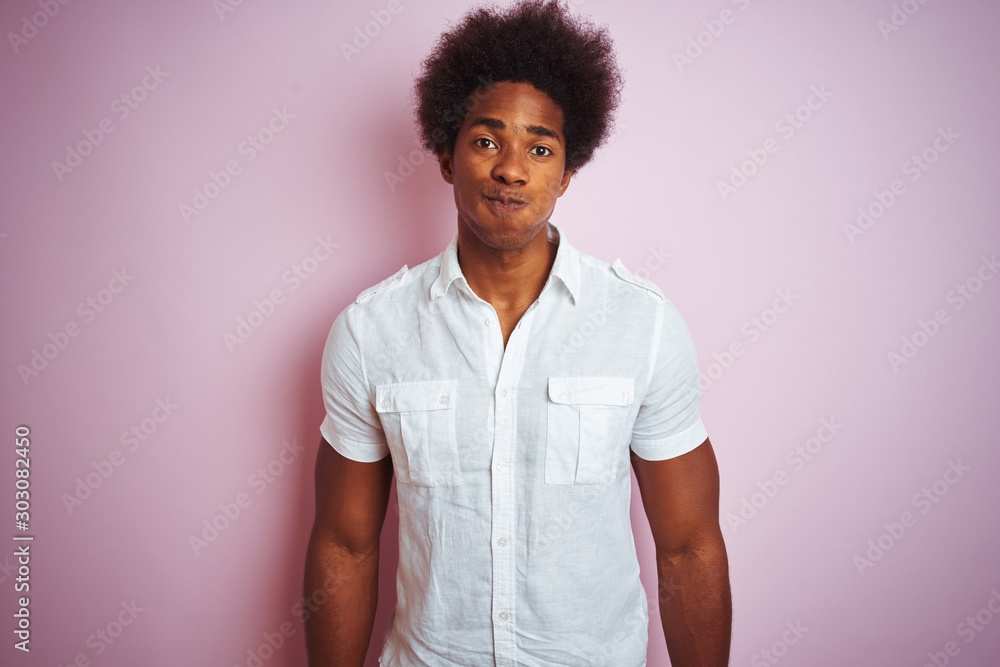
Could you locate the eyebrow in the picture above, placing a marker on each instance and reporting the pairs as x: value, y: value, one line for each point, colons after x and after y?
x: 497, y: 124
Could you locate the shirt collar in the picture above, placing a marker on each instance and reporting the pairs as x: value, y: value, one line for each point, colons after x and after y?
x: 566, y: 266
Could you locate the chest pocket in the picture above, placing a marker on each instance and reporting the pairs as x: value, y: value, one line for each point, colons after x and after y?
x: 587, y: 424
x: 419, y: 423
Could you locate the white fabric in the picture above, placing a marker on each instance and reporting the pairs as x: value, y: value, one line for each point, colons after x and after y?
x: 512, y: 466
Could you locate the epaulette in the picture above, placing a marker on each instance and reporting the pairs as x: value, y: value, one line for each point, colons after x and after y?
x: 391, y: 281
x: 630, y: 277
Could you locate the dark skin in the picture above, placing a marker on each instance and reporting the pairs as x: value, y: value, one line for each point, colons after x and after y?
x: 342, y: 556
x: 507, y: 170
x: 681, y: 500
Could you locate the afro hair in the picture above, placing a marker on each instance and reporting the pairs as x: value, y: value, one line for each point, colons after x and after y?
x: 537, y: 42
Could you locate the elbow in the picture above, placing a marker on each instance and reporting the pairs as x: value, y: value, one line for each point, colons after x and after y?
x: 704, y: 549
x: 354, y: 548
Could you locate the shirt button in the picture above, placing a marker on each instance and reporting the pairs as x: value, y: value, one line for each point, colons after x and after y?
x: 503, y: 393
x: 623, y: 396
x: 502, y: 616
x: 489, y: 322
x: 561, y: 395
x: 443, y: 399
x: 385, y: 403
x: 501, y: 467
x: 502, y: 541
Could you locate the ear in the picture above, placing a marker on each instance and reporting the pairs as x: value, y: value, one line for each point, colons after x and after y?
x: 447, y: 165
x: 567, y: 174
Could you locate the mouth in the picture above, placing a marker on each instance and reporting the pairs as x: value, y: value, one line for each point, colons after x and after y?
x: 504, y: 203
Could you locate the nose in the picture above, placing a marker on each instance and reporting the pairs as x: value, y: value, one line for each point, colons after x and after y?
x: 510, y: 166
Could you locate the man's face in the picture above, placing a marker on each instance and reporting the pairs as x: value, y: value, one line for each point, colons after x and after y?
x: 508, y: 165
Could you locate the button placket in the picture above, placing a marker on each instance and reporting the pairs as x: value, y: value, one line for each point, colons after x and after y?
x: 503, y: 506
x: 503, y: 509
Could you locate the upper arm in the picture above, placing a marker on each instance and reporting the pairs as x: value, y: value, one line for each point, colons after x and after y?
x: 351, y: 425
x: 353, y: 467
x: 671, y: 454
x: 681, y: 499
x: 668, y: 422
x: 351, y: 499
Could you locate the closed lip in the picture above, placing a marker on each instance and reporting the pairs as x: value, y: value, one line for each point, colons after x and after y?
x: 504, y: 199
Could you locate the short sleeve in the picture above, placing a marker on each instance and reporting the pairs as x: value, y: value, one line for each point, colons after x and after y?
x: 669, y: 423
x: 351, y: 424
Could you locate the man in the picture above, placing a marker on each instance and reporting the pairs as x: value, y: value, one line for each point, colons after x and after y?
x: 507, y: 384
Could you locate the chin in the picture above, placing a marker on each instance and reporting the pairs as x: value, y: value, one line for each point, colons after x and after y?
x: 506, y: 238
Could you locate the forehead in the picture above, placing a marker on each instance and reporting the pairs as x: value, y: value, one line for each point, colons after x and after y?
x: 518, y: 105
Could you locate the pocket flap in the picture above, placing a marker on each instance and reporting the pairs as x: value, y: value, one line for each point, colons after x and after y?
x: 592, y: 391
x: 411, y: 396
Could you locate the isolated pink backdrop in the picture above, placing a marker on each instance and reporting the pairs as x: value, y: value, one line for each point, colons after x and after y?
x: 841, y: 558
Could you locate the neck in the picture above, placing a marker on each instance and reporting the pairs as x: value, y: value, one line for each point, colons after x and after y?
x: 510, y: 280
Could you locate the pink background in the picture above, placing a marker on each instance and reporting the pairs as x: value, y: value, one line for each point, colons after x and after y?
x: 796, y: 552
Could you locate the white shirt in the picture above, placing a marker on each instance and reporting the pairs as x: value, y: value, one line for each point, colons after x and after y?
x: 512, y: 466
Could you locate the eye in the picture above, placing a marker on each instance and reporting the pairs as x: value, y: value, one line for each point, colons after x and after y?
x: 542, y: 148
x: 482, y: 141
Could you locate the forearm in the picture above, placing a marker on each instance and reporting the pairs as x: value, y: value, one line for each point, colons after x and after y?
x: 338, y: 625
x: 696, y: 605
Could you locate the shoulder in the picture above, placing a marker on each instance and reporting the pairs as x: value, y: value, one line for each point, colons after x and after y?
x: 384, y: 301
x: 636, y: 281
x: 392, y: 282
x: 620, y: 277
x: 405, y: 278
